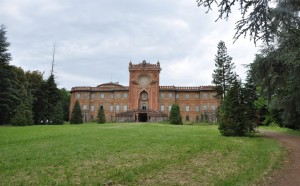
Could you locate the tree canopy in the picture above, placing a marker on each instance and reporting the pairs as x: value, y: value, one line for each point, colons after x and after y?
x: 262, y: 20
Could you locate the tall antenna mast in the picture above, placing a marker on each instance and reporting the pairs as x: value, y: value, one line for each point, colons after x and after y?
x: 53, y: 59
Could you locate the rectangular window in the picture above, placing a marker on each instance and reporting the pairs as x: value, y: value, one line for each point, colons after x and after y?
x: 187, y: 96
x: 125, y: 107
x: 213, y: 95
x: 83, y: 107
x: 92, y: 96
x: 204, y: 95
x: 125, y: 95
x: 177, y: 96
x: 101, y: 95
x: 77, y: 95
x: 118, y: 95
x: 196, y: 108
x: 117, y: 108
x: 170, y: 106
x: 111, y: 108
x: 162, y: 95
x: 196, y: 96
x: 213, y: 107
x: 86, y: 95
x: 187, y: 108
x: 170, y: 95
x: 112, y: 96
x: 162, y: 108
x: 204, y: 107
x: 92, y: 108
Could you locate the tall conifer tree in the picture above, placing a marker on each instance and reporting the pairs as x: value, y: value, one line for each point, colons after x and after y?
x: 9, y: 98
x: 76, y: 116
x: 101, y: 115
x: 223, y: 75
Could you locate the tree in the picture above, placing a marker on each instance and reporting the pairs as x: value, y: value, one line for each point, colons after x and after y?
x: 65, y: 100
x: 9, y: 98
x: 23, y: 114
x: 76, y: 115
x: 262, y: 20
x: 223, y: 75
x: 37, y: 87
x: 53, y: 96
x: 276, y: 69
x: 175, y: 116
x: 58, y: 115
x: 231, y: 120
x: 100, y: 115
x: 5, y: 56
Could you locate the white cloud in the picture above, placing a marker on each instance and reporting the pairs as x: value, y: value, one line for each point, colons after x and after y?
x: 95, y: 40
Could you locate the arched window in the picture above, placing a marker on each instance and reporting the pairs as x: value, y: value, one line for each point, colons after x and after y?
x: 144, y: 95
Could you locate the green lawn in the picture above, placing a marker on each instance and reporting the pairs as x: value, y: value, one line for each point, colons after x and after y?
x: 133, y: 154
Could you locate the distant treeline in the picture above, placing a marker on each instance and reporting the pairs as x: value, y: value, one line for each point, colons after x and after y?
x: 27, y: 98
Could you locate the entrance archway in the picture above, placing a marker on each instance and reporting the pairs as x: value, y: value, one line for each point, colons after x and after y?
x: 143, y: 117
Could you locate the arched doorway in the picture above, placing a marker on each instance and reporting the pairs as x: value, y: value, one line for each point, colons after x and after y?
x: 143, y: 105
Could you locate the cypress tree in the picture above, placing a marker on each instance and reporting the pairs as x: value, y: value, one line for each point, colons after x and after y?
x: 76, y: 116
x: 175, y: 116
x: 101, y: 115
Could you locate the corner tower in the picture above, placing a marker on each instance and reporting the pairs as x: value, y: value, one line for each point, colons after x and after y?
x: 144, y: 86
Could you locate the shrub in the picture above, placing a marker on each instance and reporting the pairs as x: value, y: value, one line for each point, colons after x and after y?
x: 175, y: 116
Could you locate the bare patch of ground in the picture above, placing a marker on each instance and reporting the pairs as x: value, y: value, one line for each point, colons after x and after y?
x: 289, y: 175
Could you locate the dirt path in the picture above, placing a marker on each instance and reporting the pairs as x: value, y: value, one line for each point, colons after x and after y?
x: 290, y: 173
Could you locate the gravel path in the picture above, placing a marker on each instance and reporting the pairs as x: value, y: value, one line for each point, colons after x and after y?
x: 290, y: 173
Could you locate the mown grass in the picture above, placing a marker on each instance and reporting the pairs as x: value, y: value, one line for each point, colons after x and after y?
x: 281, y: 130
x: 133, y: 154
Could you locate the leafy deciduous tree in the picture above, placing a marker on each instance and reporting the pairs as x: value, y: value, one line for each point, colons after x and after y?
x: 23, y: 114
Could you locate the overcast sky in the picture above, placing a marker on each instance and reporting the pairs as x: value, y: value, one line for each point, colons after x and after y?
x: 96, y: 39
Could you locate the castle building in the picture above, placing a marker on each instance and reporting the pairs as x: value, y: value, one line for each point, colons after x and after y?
x: 144, y: 99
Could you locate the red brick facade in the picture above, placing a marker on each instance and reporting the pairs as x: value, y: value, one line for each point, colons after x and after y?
x: 144, y: 99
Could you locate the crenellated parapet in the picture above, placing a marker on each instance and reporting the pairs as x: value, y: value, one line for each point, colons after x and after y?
x: 187, y: 88
x: 144, y: 66
x: 99, y: 88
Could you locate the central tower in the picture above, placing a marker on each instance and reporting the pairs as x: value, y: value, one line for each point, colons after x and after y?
x: 144, y: 86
